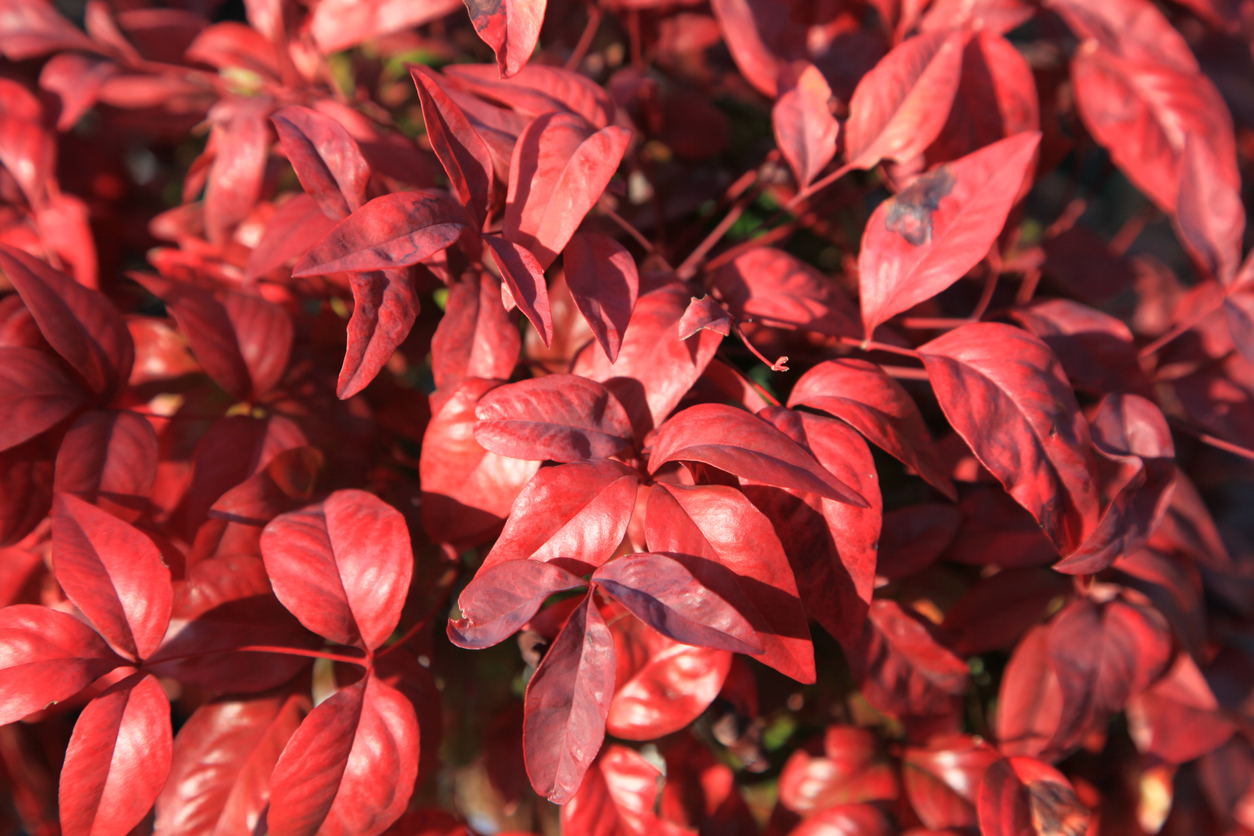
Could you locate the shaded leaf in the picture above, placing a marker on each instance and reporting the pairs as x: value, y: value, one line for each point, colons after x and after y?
x: 602, y: 278
x: 562, y: 417
x: 805, y: 129
x: 524, y: 281
x: 327, y: 160
x: 460, y: 148
x: 504, y: 597
x: 510, y: 27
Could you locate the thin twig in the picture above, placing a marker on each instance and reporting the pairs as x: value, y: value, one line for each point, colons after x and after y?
x: 1212, y: 441
x: 585, y: 40
x: 1175, y: 331
x: 871, y: 345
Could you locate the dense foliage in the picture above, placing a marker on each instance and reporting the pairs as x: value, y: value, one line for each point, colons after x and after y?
x: 626, y: 418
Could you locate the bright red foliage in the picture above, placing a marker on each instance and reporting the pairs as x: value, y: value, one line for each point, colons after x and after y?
x: 844, y: 408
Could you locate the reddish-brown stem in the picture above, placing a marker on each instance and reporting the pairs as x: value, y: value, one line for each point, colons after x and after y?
x: 1212, y: 441
x: 905, y: 373
x: 409, y: 634
x: 1131, y: 229
x: 871, y: 345
x: 1175, y: 331
x: 1028, y: 288
x: 766, y: 239
x: 986, y: 295
x: 636, y: 234
x: 585, y: 40
x: 775, y: 366
x: 817, y: 186
x: 933, y: 323
x: 689, y: 266
x: 265, y: 648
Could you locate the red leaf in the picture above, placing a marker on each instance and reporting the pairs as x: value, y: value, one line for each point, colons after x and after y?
x: 997, y: 612
x: 943, y: 780
x: 903, y: 668
x: 805, y: 129
x: 927, y: 237
x: 475, y: 337
x: 295, y: 227
x: 661, y: 685
x: 851, y: 770
x: 618, y: 798
x: 524, y: 279
x: 118, y: 759
x: 1024, y: 797
x: 342, y: 566
x: 538, y: 89
x: 284, y: 484
x: 704, y: 313
x: 861, y: 394
x: 339, y: 24
x: 572, y: 512
x: 602, y: 278
x: 79, y: 323
x: 562, y: 417
x: 326, y: 159
x: 1210, y: 217
x: 35, y: 395
x: 846, y: 820
x: 1133, y: 433
x: 384, y: 308
x: 510, y: 27
x: 113, y: 573
x: 1004, y: 392
x: 1134, y: 29
x: 558, y: 171
x: 747, y: 446
x: 1178, y: 718
x: 567, y: 701
x: 240, y: 140
x: 34, y: 29
x: 46, y: 657
x: 26, y: 474
x: 395, y: 230
x: 901, y: 105
x: 223, y: 757
x: 467, y: 491
x: 1142, y: 112
x: 109, y: 459
x: 653, y: 360
x: 349, y: 769
x: 775, y: 288
x: 1096, y: 350
x: 661, y: 592
x: 458, y: 145
x: 743, y: 563
x: 242, y: 340
x: 1030, y: 698
x: 831, y: 545
x: 1104, y: 655
x: 504, y: 597
x: 760, y: 37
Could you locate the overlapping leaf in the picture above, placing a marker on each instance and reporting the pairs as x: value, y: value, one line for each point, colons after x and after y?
x: 564, y: 417
x: 602, y: 278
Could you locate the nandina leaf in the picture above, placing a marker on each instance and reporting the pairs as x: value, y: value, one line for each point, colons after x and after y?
x: 538, y: 89
x: 524, y: 279
x: 1209, y: 214
x: 337, y: 25
x: 846, y: 820
x: 850, y: 769
x: 996, y: 98
x: 832, y: 546
x: 342, y: 566
x: 467, y: 491
x: 572, y: 512
x: 79, y: 323
x: 1179, y: 718
x: 901, y: 105
x: 45, y: 657
x: 1096, y: 350
x: 35, y: 29
x: 662, y: 593
x: 743, y: 563
x: 760, y: 40
x: 903, y: 667
x: 661, y: 685
x: 618, y: 798
x: 776, y: 288
x: 224, y: 603
x: 652, y: 358
x: 282, y: 485
x: 1142, y: 112
x: 26, y: 475
x: 1004, y: 392
x: 109, y: 458
x: 704, y: 313
x: 1030, y: 698
x: 384, y: 308
x: 461, y: 150
x: 603, y: 281
x: 567, y: 701
x: 733, y: 440
x: 805, y: 129
x: 1104, y: 655
x: 240, y: 140
x: 1025, y: 797
x: 295, y: 227
x: 864, y: 396
x: 242, y: 340
x: 1132, y: 432
x: 118, y: 759
x: 998, y: 611
x: 35, y: 395
x: 113, y: 573
x: 927, y: 237
x: 558, y: 171
x: 223, y: 757
x: 510, y: 27
x: 395, y: 230
x: 504, y: 597
x: 326, y: 159
x: 475, y: 337
x: 942, y: 780
x: 562, y: 417
x: 349, y: 769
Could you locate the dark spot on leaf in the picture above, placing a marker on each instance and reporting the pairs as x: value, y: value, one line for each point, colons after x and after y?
x: 1055, y: 809
x: 910, y: 214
